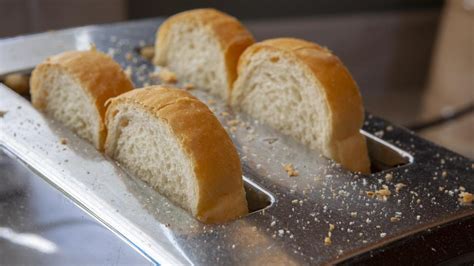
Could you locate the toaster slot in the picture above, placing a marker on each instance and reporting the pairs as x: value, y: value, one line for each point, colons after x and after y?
x: 384, y: 156
x: 257, y: 198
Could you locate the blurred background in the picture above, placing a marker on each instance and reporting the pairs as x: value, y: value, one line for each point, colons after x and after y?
x: 413, y: 60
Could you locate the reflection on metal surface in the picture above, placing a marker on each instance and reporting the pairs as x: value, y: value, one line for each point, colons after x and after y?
x: 39, y: 226
x: 293, y: 213
x: 28, y: 240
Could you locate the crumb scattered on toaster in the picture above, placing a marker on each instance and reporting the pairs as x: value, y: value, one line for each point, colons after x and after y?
x: 331, y: 227
x: 389, y: 177
x: 381, y: 194
x: 290, y: 170
x: 63, y: 141
x: 327, y: 241
x: 399, y: 186
x: 3, y: 113
x: 394, y: 219
x: 224, y: 114
x: 147, y: 52
x: 466, y: 197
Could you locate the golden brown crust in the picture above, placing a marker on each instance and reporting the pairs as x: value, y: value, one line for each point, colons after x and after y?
x: 97, y: 73
x: 216, y: 162
x: 341, y: 92
x: 233, y: 37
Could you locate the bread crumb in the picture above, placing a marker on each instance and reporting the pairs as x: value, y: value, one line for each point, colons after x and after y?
x: 399, y: 186
x: 3, y: 113
x: 63, y: 141
x: 281, y: 232
x: 354, y: 214
x: 444, y: 173
x: 383, y: 235
x: 394, y: 219
x: 371, y: 194
x: 233, y: 129
x: 381, y: 194
x: 290, y: 170
x: 327, y: 241
x: 167, y: 76
x: 466, y: 197
x: 331, y: 227
x: 147, y: 52
x: 224, y: 114
x: 128, y: 56
x: 188, y: 86
x: 389, y: 177
x: 20, y: 83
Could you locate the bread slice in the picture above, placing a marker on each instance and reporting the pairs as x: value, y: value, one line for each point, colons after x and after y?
x: 202, y: 47
x: 304, y: 91
x: 172, y: 141
x: 73, y: 86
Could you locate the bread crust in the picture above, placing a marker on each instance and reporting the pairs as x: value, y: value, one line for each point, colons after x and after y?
x: 348, y: 145
x: 216, y: 164
x: 97, y: 73
x: 233, y: 37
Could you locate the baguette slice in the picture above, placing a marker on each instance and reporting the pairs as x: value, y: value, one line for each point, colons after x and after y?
x: 73, y: 86
x: 306, y: 92
x: 172, y: 141
x: 202, y: 46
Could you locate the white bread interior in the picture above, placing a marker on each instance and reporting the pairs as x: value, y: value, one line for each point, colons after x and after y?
x: 172, y: 141
x: 304, y: 91
x: 69, y: 104
x: 72, y: 88
x: 202, y: 47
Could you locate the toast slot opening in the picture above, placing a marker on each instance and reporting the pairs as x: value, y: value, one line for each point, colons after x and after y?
x: 257, y: 198
x: 383, y: 155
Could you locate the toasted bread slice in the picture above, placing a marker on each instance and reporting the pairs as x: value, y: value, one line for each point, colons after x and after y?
x: 304, y: 91
x: 73, y: 86
x: 202, y: 47
x: 172, y: 141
